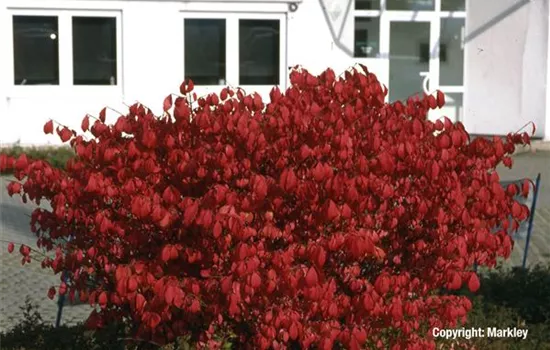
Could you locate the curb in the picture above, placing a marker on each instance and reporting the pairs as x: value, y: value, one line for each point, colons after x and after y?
x: 536, y: 146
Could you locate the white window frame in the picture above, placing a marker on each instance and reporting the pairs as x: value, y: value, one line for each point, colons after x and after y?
x: 433, y: 17
x: 232, y: 49
x: 66, y: 86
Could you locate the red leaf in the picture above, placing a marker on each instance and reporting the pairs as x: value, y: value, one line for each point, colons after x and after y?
x: 62, y: 288
x: 368, y: 302
x: 321, y: 257
x: 170, y: 294
x: 387, y: 191
x: 526, y: 188
x: 255, y: 280
x: 132, y: 284
x: 85, y: 125
x: 223, y: 94
x: 167, y: 103
x: 187, y: 87
x: 456, y: 282
x: 332, y: 211
x: 382, y: 284
x: 102, y: 300
x: 217, y: 231
x: 293, y: 331
x: 312, y: 279
x: 195, y: 306
x: 397, y: 311
x: 140, y: 302
x: 473, y: 283
x: 11, y: 246
x: 64, y: 134
x: 191, y: 213
x: 512, y: 190
x: 166, y: 253
x: 432, y: 102
x: 51, y: 293
x: 319, y: 172
x: 48, y: 127
x: 516, y: 210
x: 14, y: 187
x: 22, y: 162
x: 102, y: 114
x: 152, y: 319
x: 444, y: 141
x: 288, y: 180
x: 440, y: 99
x: 24, y: 250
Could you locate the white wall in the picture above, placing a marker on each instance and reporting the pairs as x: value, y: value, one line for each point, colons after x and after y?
x: 151, y: 56
x: 547, y: 125
x: 505, y: 84
x: 311, y: 43
x: 506, y: 66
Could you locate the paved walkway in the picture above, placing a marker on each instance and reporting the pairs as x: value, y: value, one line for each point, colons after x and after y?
x: 18, y: 283
x: 529, y: 165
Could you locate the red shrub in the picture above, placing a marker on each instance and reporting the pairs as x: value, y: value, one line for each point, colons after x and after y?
x: 326, y: 216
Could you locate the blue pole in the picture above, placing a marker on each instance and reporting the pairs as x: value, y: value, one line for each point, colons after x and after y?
x: 60, y: 304
x: 531, y: 218
x: 61, y: 299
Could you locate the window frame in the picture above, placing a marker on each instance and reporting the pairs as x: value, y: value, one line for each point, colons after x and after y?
x: 232, y: 48
x: 65, y: 44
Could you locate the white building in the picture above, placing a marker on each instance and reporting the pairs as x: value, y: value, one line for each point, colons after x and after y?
x: 62, y: 59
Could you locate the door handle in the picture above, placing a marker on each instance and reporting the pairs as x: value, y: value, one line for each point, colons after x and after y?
x: 425, y: 81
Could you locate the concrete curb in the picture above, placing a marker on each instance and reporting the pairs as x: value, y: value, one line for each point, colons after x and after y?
x: 536, y: 146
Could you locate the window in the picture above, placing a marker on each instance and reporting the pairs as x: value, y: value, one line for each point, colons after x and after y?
x: 36, y: 50
x: 94, y: 51
x: 367, y: 4
x: 410, y: 5
x: 204, y: 51
x: 239, y: 49
x: 451, y: 71
x: 424, y: 53
x: 259, y: 52
x: 65, y: 49
x: 366, y: 28
x: 367, y: 37
x: 453, y: 5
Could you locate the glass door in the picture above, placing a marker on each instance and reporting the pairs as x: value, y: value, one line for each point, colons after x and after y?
x: 409, y: 59
x: 411, y: 48
x: 425, y: 52
x: 451, y: 66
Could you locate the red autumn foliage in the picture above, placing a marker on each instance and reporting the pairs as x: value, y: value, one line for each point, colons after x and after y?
x: 324, y: 216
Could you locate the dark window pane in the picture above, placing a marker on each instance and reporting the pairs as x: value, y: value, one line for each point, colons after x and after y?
x: 410, y: 5
x: 259, y: 52
x: 94, y: 51
x: 204, y: 51
x: 367, y: 36
x: 35, y: 50
x: 367, y: 4
x: 451, y: 66
x: 425, y: 52
x: 453, y: 5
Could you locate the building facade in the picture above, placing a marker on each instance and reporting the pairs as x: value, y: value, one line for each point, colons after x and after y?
x: 65, y: 58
